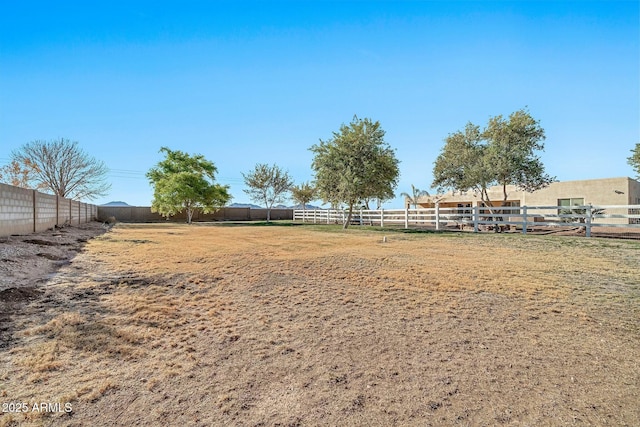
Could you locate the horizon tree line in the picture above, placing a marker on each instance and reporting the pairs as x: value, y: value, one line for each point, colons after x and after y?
x: 351, y: 169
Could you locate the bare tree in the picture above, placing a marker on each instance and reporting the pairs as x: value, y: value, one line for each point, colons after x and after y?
x: 63, y: 168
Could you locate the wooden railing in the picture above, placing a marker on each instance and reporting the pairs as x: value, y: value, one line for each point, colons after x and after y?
x: 481, y: 218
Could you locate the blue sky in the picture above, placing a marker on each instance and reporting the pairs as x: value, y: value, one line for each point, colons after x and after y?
x: 261, y: 82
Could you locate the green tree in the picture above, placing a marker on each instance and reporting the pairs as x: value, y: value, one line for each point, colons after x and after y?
x: 267, y: 184
x: 634, y: 160
x: 63, y: 168
x: 415, y: 195
x: 504, y: 153
x: 355, y: 165
x: 303, y: 194
x: 461, y: 163
x: 511, y: 152
x: 185, y: 182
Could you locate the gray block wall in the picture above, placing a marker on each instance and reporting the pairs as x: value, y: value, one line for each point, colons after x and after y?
x: 144, y: 214
x: 24, y: 211
x: 83, y: 213
x: 75, y: 212
x: 46, y: 211
x: 16, y: 210
x: 64, y: 211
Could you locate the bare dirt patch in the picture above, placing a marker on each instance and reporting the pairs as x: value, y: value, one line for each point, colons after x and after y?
x: 209, y: 325
x: 27, y: 261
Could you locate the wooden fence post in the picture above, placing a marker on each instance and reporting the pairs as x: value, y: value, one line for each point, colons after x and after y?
x: 588, y: 221
x: 406, y: 218
x: 381, y: 217
x: 524, y: 220
x: 437, y: 216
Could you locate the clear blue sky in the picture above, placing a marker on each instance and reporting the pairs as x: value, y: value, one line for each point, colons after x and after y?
x: 261, y: 82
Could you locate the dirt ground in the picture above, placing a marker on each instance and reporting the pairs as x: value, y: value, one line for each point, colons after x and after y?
x: 28, y: 261
x: 166, y: 324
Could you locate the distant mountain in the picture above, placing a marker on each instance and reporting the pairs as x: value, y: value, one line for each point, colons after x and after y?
x: 245, y: 205
x: 116, y: 203
x: 306, y: 207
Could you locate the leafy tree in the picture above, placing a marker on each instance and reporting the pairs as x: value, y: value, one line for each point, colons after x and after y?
x: 511, y: 152
x: 268, y: 185
x: 303, y: 194
x: 415, y: 196
x: 355, y: 165
x: 634, y: 160
x: 60, y: 166
x: 461, y: 163
x: 21, y: 175
x: 185, y: 182
x: 504, y: 153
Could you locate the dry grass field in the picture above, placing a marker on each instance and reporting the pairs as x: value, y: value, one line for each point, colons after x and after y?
x: 165, y: 324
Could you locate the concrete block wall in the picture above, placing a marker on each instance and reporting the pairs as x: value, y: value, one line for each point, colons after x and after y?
x: 64, y: 211
x: 46, y: 211
x: 83, y: 213
x: 16, y: 210
x: 24, y: 211
x: 75, y: 212
x: 261, y: 214
x: 144, y: 214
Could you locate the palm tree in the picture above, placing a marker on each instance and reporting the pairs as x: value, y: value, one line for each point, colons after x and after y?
x: 415, y: 195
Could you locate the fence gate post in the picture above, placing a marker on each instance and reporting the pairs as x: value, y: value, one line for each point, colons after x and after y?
x: 437, y: 216
x: 476, y: 218
x: 381, y: 217
x: 588, y: 221
x: 361, y: 216
x: 524, y: 220
x: 406, y: 218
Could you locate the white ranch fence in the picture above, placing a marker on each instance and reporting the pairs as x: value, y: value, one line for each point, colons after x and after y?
x: 524, y: 218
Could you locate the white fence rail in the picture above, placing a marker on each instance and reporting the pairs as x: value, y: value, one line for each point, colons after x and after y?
x: 480, y: 218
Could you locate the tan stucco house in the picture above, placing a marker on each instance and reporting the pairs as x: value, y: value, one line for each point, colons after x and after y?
x: 605, y: 191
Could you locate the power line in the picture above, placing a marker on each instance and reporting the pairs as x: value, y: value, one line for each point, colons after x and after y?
x: 127, y: 171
